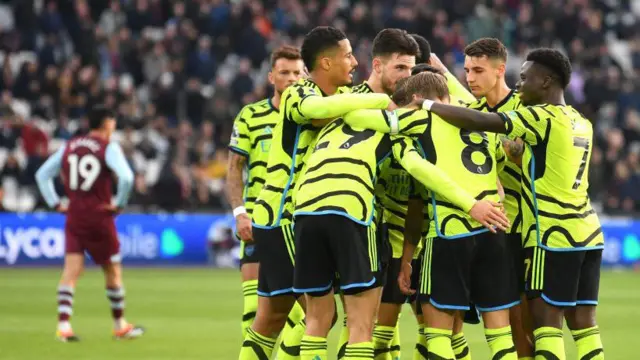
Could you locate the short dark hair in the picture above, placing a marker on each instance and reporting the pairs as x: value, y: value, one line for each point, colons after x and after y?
x: 390, y: 41
x: 420, y: 68
x: 489, y: 47
x: 318, y: 40
x: 285, y: 52
x: 425, y: 49
x: 555, y: 61
x: 97, y: 115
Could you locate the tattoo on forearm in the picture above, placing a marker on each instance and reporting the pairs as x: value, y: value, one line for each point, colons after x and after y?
x: 234, y: 184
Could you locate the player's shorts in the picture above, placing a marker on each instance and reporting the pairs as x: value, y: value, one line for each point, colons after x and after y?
x: 99, y: 241
x: 517, y: 255
x: 248, y: 253
x: 276, y: 251
x: 473, y: 269
x: 326, y: 244
x: 384, y: 255
x: 563, y: 278
x: 391, y: 293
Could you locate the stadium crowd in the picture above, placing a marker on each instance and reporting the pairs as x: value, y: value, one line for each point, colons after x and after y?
x: 178, y: 71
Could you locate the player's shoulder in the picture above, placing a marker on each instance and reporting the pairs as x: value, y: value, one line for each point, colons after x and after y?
x: 362, y: 88
x: 303, y: 87
x: 479, y: 104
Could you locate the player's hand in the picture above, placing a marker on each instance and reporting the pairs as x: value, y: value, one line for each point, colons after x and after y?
x: 61, y: 209
x: 435, y: 61
x: 514, y: 150
x: 404, y: 278
x: 243, y: 227
x: 490, y: 215
x: 392, y: 106
x: 112, y: 209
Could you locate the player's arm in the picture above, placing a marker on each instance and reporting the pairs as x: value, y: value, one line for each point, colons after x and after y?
x: 513, y: 149
x: 467, y: 118
x: 457, y: 89
x: 315, y: 107
x: 44, y: 178
x: 404, y: 121
x: 239, y: 146
x: 412, y: 236
x: 117, y: 162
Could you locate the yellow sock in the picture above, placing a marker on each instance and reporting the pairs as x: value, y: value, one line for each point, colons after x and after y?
x: 256, y: 346
x: 439, y: 343
x: 501, y: 343
x: 313, y: 348
x: 420, y: 351
x: 290, y: 342
x: 395, y: 343
x: 249, y: 289
x: 526, y: 358
x: 460, y: 347
x: 382, y: 336
x: 292, y: 335
x: 588, y: 343
x: 359, y: 351
x: 344, y: 338
x: 549, y: 343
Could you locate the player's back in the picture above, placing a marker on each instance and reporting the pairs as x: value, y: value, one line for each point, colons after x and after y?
x: 87, y: 178
x: 468, y: 157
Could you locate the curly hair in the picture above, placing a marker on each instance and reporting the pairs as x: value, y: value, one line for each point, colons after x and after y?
x: 555, y: 61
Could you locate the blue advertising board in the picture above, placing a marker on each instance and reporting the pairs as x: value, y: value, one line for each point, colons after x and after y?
x: 38, y: 239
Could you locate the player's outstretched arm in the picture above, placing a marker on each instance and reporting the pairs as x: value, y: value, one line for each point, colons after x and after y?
x: 330, y: 107
x: 45, y: 175
x: 117, y: 162
x: 466, y: 118
x: 377, y: 120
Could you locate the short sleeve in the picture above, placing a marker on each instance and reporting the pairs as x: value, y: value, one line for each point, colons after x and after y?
x: 531, y: 124
x: 240, y: 142
x: 297, y: 95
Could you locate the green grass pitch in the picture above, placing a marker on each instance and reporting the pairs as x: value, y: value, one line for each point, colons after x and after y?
x: 195, y: 314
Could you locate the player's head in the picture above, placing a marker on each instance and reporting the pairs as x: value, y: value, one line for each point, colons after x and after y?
x: 394, y: 54
x: 544, y: 71
x: 485, y: 64
x: 426, y: 85
x: 425, y: 49
x: 420, y: 68
x: 286, y: 67
x: 102, y: 119
x: 327, y: 50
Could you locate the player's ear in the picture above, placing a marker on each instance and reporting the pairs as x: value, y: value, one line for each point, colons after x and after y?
x: 377, y: 65
x: 546, y: 82
x: 325, y: 63
x: 502, y: 69
x: 270, y: 77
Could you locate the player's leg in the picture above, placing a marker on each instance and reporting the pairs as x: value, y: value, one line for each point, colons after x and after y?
x: 420, y: 349
x: 249, y: 266
x: 313, y: 275
x: 343, y: 339
x: 552, y: 283
x: 73, y: 267
x: 355, y: 249
x: 493, y: 290
x: 275, y: 291
x: 518, y: 314
x: 458, y: 340
x: 115, y: 293
x: 581, y: 319
x: 388, y: 312
x: 444, y: 290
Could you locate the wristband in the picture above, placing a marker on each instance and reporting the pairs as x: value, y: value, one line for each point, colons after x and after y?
x: 239, y: 211
x: 426, y: 105
x: 394, y: 125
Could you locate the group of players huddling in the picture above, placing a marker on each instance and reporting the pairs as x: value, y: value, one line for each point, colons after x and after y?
x: 476, y: 208
x: 408, y: 189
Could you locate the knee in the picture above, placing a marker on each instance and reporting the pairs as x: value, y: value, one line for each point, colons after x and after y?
x: 581, y: 318
x: 270, y: 323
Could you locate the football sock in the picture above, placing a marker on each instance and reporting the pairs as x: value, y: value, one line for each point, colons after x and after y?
x: 460, y: 347
x: 395, y: 343
x: 382, y: 336
x: 116, y: 299
x: 290, y: 342
x: 344, y: 338
x: 359, y: 351
x: 501, y: 343
x: 549, y: 344
x: 439, y: 343
x: 249, y: 289
x: 65, y: 307
x: 420, y: 351
x: 313, y: 348
x: 256, y: 346
x: 588, y: 343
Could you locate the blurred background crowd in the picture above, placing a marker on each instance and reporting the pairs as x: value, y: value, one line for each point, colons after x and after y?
x: 177, y: 72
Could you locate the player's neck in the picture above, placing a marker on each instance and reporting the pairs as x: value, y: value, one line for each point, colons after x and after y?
x: 275, y: 100
x: 497, y: 94
x: 99, y: 134
x: 324, y: 83
x: 555, y: 98
x: 375, y: 84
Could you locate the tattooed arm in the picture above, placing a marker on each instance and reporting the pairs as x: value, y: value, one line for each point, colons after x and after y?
x: 514, y: 150
x: 234, y: 190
